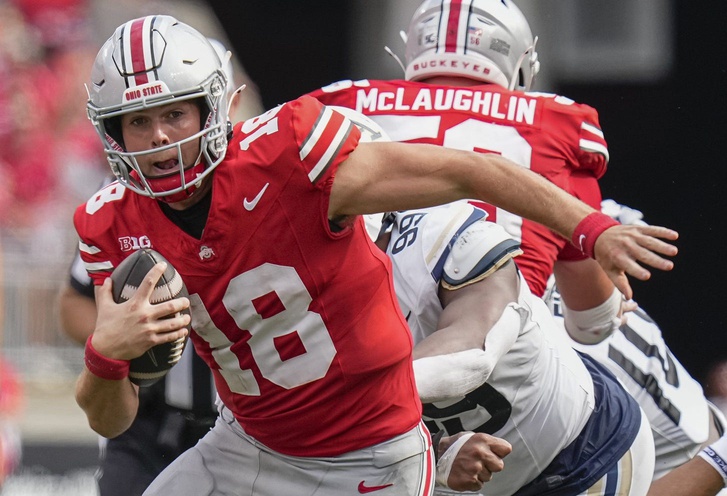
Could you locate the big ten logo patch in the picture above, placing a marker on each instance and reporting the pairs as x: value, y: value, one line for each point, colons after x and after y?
x: 129, y: 243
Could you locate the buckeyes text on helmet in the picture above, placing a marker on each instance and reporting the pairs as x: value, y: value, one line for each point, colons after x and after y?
x: 484, y: 40
x: 153, y: 61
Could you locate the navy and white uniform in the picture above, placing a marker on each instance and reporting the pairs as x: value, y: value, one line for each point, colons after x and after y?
x: 571, y: 425
x: 672, y: 399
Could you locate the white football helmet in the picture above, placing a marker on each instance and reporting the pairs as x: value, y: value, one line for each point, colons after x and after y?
x: 149, y: 62
x: 485, y: 40
x: 226, y: 58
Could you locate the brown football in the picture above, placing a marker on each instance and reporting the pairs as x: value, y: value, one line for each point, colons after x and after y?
x: 156, y: 362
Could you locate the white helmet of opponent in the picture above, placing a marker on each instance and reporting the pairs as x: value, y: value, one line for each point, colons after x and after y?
x: 149, y: 62
x: 485, y: 40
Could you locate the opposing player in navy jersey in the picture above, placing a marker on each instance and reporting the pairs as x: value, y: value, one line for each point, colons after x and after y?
x: 683, y: 421
x: 489, y: 357
x: 292, y: 306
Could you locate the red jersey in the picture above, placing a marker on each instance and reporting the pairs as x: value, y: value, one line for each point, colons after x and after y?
x: 549, y: 134
x: 300, y: 324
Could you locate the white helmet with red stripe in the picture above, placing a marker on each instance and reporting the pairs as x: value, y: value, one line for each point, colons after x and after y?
x: 485, y: 40
x: 149, y: 62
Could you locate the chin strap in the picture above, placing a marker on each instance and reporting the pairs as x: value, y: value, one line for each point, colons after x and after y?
x: 532, y: 62
x: 395, y: 57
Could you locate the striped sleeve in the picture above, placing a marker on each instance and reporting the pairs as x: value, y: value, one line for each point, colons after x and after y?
x: 325, y: 138
x: 592, y: 152
x: 592, y: 140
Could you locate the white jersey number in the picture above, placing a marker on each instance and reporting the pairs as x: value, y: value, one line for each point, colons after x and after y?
x: 477, y: 136
x: 284, y: 318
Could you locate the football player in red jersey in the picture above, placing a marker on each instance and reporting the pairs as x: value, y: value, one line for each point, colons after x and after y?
x: 292, y: 304
x: 469, y: 67
x: 175, y: 412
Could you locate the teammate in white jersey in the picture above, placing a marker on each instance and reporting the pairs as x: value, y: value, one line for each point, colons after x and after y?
x: 489, y: 358
x: 683, y: 421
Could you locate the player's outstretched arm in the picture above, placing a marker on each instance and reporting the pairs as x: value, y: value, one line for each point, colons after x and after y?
x: 123, y: 331
x: 703, y: 475
x: 622, y: 249
x: 381, y: 177
x: 694, y: 478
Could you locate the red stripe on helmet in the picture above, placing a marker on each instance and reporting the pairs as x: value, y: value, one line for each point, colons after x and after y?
x: 455, y: 10
x: 137, y: 52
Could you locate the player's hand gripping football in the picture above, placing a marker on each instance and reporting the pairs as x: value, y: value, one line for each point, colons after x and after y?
x: 127, y: 330
x: 476, y: 461
x: 621, y: 249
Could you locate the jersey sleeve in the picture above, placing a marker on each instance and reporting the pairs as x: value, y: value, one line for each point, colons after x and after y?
x: 592, y: 148
x: 339, y: 93
x: 578, y: 129
x: 96, y: 223
x: 79, y: 278
x: 94, y: 259
x: 324, y: 138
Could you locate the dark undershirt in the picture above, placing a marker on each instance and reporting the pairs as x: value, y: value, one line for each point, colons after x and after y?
x: 193, y: 219
x: 190, y: 220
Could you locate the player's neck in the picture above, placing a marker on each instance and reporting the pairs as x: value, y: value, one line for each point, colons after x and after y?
x: 192, y: 219
x: 195, y: 197
x: 454, y: 81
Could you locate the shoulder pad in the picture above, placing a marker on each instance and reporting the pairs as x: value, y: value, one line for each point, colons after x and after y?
x: 477, y: 252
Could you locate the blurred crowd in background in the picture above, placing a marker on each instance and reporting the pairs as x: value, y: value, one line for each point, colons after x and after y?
x: 51, y: 161
x: 50, y: 158
x: 49, y: 155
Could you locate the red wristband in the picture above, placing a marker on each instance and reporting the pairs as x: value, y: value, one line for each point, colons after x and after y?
x: 589, y: 229
x: 105, y: 367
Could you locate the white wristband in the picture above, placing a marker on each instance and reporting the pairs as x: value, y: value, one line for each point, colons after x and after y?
x: 716, y: 455
x: 595, y: 324
x: 444, y: 465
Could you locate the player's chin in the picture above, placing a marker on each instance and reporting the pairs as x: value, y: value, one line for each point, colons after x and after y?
x: 158, y: 172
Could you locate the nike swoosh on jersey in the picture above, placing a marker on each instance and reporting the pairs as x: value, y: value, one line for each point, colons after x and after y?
x: 363, y: 488
x: 249, y: 205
